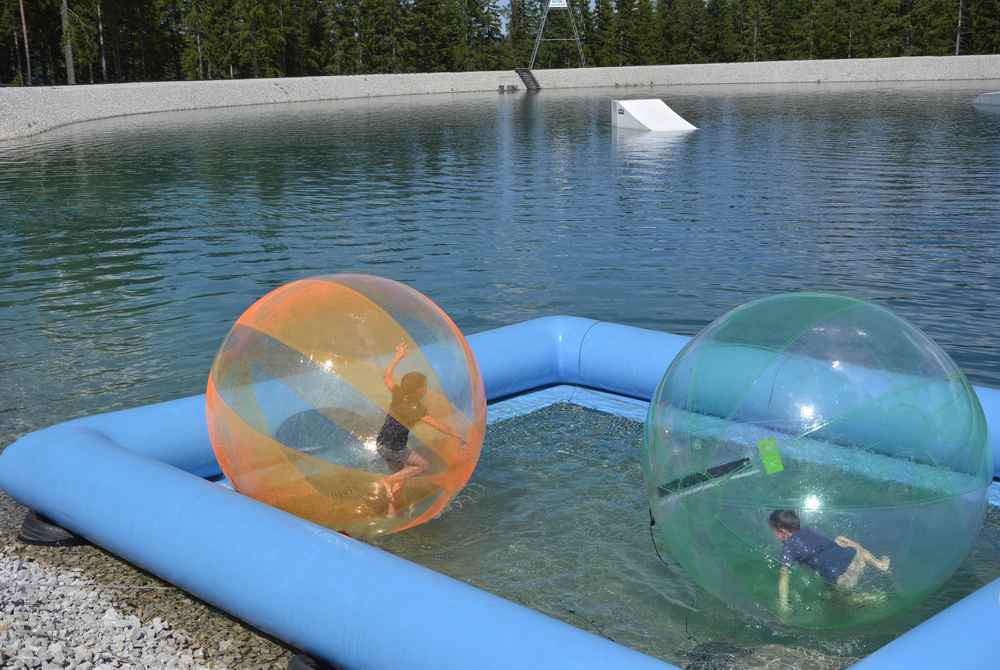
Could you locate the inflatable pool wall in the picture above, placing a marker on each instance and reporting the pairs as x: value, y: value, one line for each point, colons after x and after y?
x: 134, y: 482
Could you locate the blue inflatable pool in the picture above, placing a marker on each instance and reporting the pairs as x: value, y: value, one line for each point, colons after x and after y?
x: 137, y: 482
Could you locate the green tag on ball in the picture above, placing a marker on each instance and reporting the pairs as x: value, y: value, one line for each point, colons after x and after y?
x: 769, y: 455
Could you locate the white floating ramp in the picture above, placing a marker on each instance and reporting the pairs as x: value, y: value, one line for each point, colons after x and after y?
x: 651, y: 114
x: 988, y: 99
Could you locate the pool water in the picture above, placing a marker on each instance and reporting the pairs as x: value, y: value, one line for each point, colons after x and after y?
x: 556, y: 518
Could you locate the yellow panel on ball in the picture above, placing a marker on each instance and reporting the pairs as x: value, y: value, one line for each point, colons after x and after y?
x: 349, y: 400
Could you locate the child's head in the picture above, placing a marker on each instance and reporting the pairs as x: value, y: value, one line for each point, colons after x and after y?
x: 413, y: 385
x: 784, y: 523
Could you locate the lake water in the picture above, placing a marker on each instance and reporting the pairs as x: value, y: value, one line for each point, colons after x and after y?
x: 129, y: 246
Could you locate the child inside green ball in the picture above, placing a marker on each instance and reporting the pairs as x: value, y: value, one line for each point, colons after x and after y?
x: 841, y: 562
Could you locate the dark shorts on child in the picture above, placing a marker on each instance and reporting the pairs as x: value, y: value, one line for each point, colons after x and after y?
x: 820, y: 553
x: 391, y: 444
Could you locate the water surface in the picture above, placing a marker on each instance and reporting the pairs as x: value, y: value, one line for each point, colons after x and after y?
x: 128, y: 246
x: 556, y: 518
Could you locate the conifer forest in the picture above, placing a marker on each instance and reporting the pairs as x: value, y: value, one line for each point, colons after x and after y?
x: 47, y: 42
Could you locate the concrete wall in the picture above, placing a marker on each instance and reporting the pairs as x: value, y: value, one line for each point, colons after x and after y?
x: 918, y: 68
x: 26, y: 111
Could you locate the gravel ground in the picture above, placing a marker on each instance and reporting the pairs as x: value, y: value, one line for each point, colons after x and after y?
x: 79, y: 607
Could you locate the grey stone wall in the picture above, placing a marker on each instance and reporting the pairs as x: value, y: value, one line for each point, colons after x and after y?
x: 26, y: 111
x: 919, y: 68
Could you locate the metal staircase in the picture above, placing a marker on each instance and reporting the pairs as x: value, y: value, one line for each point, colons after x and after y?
x: 530, y: 83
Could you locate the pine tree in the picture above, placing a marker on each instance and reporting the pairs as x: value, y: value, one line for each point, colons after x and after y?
x: 605, y: 43
x: 346, y: 56
x: 755, y: 31
x: 484, y: 36
x: 934, y: 23
x: 380, y: 28
x: 87, y: 33
x: 260, y: 40
x: 522, y: 19
x: 688, y: 20
x: 628, y: 32
x: 307, y: 25
x: 193, y: 36
x: 12, y: 54
x: 720, y: 45
x: 435, y: 32
x: 221, y: 48
x: 795, y: 29
x: 646, y: 46
x: 984, y: 27
x: 664, y: 30
x: 832, y: 28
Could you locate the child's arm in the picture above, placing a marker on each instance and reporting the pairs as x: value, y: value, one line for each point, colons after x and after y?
x: 387, y: 378
x: 441, y: 428
x: 783, y: 590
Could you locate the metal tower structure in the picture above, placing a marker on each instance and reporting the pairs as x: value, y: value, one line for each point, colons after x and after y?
x: 557, y: 4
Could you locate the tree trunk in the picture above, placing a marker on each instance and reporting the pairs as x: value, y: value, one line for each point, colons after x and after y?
x: 27, y: 51
x: 67, y: 39
x: 201, y: 69
x: 812, y: 30
x: 17, y: 56
x: 284, y: 48
x: 958, y: 29
x: 100, y: 39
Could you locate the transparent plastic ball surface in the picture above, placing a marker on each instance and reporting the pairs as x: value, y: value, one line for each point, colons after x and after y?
x: 816, y: 459
x: 349, y: 400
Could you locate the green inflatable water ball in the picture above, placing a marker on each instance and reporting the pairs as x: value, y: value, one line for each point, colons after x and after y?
x: 817, y: 460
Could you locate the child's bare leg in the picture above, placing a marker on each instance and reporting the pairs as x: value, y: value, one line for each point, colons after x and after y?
x: 852, y: 575
x: 390, y: 495
x: 881, y: 564
x: 415, y: 465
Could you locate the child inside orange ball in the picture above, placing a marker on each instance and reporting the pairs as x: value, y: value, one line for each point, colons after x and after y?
x: 350, y: 400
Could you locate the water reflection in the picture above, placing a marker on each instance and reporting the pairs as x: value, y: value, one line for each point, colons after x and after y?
x: 648, y: 145
x: 128, y: 246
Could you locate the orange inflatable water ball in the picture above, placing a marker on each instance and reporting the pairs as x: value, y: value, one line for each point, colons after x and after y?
x: 350, y: 400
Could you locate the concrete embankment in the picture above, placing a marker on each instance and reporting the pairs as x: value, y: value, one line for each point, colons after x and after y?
x: 27, y: 111
x: 917, y: 68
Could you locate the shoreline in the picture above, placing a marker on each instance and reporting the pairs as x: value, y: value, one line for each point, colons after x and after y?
x: 29, y: 111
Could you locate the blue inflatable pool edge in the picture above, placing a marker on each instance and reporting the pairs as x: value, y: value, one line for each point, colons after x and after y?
x: 133, y: 482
